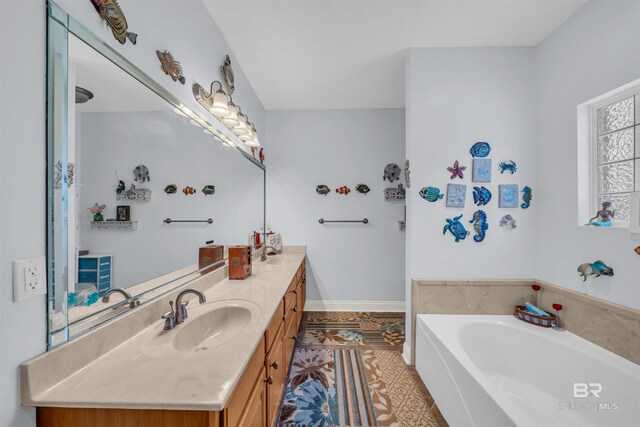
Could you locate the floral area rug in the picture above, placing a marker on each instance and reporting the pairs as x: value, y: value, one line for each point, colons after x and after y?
x: 348, y: 371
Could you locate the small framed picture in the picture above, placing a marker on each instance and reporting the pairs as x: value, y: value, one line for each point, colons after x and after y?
x: 123, y: 213
x: 481, y: 170
x: 456, y: 193
x: 508, y: 196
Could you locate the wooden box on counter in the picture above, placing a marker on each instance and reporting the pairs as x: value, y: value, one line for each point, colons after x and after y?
x: 239, y: 262
x: 210, y: 254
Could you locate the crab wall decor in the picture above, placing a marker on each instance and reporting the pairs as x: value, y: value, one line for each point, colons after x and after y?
x: 509, y: 166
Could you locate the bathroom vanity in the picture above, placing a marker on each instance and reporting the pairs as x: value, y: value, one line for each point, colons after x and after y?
x: 224, y: 366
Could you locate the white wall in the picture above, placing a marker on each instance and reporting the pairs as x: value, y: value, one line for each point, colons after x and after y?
x: 200, y: 48
x: 347, y: 262
x: 594, y: 52
x: 22, y: 210
x: 455, y: 97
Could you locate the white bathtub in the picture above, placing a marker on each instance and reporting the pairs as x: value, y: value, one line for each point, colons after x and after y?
x: 495, y: 371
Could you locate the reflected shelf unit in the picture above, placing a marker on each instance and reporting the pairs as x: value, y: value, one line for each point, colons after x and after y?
x: 115, y: 225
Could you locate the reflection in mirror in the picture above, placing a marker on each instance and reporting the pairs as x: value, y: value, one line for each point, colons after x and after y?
x: 124, y: 161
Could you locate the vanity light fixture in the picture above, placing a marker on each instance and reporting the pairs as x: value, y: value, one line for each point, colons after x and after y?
x: 214, y: 102
x: 242, y: 128
x: 252, y: 139
x: 231, y: 119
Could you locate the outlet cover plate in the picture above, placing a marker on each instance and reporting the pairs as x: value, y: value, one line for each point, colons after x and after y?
x: 29, y: 278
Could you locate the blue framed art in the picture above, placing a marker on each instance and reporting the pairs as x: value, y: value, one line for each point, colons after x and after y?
x: 509, y: 196
x: 481, y: 170
x: 456, y: 194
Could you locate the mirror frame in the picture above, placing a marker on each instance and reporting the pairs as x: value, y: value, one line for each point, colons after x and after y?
x: 60, y: 23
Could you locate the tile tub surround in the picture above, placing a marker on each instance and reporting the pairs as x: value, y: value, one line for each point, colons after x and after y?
x: 117, y: 372
x: 609, y: 325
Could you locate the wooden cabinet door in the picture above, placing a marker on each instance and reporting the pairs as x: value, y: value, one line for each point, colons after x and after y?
x: 276, y: 373
x: 255, y: 410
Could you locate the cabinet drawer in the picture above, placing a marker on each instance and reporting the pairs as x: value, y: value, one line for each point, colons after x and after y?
x: 276, y: 374
x: 87, y: 277
x: 289, y: 297
x: 275, y: 324
x: 87, y: 263
x: 253, y: 374
x: 290, y: 339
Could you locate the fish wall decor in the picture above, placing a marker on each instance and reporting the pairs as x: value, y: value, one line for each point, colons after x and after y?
x: 431, y: 194
x: 598, y: 268
x: 188, y: 191
x: 457, y: 170
x: 170, y: 66
x: 508, y: 166
x: 110, y: 11
x: 171, y: 189
x: 362, y: 188
x: 481, y: 196
x: 343, y: 190
x: 322, y: 189
x: 209, y: 189
x: 526, y: 197
x: 638, y: 250
x: 261, y: 155
x: 455, y: 227
x: 480, y: 149
x: 480, y: 225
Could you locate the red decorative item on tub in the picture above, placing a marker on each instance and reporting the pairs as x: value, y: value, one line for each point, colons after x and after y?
x: 557, y: 307
x: 535, y: 287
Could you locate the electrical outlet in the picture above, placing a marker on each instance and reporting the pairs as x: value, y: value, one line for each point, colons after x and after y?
x: 29, y: 278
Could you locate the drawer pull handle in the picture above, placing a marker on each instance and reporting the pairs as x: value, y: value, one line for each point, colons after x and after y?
x: 295, y: 309
x: 295, y: 291
x: 295, y: 338
x: 269, y: 380
x: 275, y: 365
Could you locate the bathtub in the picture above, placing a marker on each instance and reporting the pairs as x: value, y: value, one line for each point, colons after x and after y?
x: 497, y: 371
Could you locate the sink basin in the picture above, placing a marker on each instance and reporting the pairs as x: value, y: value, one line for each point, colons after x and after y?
x: 276, y: 260
x: 211, y: 328
x: 205, y: 329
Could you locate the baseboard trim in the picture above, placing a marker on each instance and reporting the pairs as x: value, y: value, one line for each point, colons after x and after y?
x: 379, y: 306
x: 406, y: 353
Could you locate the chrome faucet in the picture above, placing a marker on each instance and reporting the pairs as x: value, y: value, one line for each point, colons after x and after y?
x: 133, y: 303
x: 263, y: 257
x: 173, y: 318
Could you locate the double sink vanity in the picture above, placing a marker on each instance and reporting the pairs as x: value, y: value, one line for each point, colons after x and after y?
x: 225, y: 365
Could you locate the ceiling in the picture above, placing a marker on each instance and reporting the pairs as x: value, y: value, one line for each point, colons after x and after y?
x: 326, y: 54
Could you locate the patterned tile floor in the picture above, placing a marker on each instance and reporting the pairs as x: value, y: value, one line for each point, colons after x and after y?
x: 348, y: 370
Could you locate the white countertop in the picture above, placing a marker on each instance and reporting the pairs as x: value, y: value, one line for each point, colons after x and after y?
x: 141, y: 374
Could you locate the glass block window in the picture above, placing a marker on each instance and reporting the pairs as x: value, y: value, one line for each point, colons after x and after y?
x: 617, y: 154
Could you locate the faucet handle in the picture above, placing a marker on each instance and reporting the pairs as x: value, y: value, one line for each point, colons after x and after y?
x: 183, y: 308
x: 169, y: 320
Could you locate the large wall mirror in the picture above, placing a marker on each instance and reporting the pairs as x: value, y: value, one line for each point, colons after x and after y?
x: 123, y: 157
